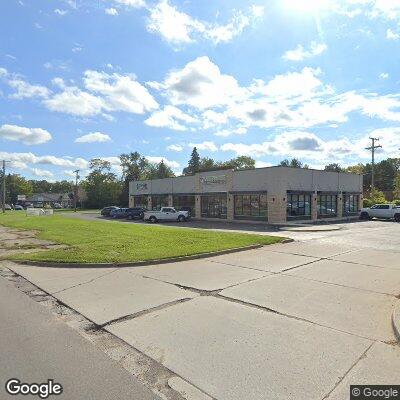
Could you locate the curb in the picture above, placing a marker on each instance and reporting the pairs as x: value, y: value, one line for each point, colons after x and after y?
x: 143, y: 263
x: 396, y: 320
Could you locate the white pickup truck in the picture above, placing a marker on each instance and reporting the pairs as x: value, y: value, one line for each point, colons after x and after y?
x: 166, y: 214
x: 382, y: 211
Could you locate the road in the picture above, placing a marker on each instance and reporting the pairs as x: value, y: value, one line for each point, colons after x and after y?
x: 35, y: 346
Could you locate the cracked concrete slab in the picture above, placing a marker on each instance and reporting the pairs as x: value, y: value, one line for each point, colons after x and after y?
x: 264, y: 260
x: 310, y: 249
x: 234, y: 352
x: 120, y: 294
x: 378, y: 258
x: 350, y: 310
x: 52, y: 280
x: 380, y: 366
x: 199, y: 274
x: 382, y: 280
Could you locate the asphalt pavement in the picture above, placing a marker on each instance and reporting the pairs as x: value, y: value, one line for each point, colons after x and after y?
x: 35, y: 346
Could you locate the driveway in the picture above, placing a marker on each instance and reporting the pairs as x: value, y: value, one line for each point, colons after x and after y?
x: 301, y: 320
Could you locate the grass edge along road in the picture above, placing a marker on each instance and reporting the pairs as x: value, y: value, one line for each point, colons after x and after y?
x: 102, y: 242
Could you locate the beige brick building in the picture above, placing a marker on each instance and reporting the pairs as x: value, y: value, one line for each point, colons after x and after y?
x: 274, y: 194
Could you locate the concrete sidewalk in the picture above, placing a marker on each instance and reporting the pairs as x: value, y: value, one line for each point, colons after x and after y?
x: 302, y: 320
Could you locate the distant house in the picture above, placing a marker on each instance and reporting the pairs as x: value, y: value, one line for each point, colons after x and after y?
x: 42, y: 199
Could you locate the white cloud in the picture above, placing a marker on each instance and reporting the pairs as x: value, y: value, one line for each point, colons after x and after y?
x: 384, y: 75
x: 392, y: 35
x: 95, y: 137
x: 76, y: 102
x: 42, y: 173
x: 208, y: 146
x: 111, y: 11
x: 199, y: 84
x: 170, y: 117
x: 231, y: 132
x: 131, y: 3
x: 300, y: 53
x: 26, y: 90
x: 27, y: 136
x: 60, y: 12
x: 262, y: 164
x: 120, y: 92
x: 77, y: 49
x: 172, y: 164
x: 178, y: 27
x: 175, y: 147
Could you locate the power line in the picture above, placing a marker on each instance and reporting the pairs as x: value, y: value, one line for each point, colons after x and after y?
x: 373, y: 149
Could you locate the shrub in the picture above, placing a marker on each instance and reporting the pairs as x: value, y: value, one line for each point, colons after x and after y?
x: 367, y: 203
x: 397, y: 202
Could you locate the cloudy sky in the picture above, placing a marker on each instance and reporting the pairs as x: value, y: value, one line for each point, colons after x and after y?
x: 272, y: 79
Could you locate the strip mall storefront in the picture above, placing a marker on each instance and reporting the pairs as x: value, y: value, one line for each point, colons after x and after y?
x: 275, y: 194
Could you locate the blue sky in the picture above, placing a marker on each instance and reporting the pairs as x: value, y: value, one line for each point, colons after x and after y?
x: 272, y: 79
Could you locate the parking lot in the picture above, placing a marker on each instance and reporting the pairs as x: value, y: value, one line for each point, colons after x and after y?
x: 300, y: 320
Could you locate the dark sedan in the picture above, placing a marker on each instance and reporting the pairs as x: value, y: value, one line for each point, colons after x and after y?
x: 106, y: 211
x: 135, y: 213
x: 119, y: 213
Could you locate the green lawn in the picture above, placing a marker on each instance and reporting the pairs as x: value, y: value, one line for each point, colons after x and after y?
x: 98, y: 241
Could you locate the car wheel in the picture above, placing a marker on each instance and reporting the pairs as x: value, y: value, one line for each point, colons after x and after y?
x: 397, y: 217
x: 364, y: 215
x: 181, y: 218
x: 153, y: 219
x: 130, y: 217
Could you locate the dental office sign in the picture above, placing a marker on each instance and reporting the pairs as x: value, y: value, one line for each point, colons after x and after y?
x: 213, y: 180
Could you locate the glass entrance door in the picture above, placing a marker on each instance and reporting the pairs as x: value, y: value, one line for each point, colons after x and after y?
x: 214, y: 206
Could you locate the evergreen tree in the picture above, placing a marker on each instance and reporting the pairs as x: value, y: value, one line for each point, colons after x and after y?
x: 193, y: 164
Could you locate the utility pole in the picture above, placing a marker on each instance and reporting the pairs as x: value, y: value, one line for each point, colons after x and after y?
x: 4, y: 187
x: 372, y: 149
x: 76, y: 187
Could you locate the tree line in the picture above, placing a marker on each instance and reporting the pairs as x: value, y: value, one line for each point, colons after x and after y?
x: 104, y: 187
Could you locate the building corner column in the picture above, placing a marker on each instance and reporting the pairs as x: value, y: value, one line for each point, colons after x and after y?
x: 340, y: 205
x: 277, y: 204
x: 360, y: 201
x: 314, y: 206
x: 230, y: 207
x: 170, y: 200
x: 149, y: 205
x: 131, y: 201
x: 197, y: 197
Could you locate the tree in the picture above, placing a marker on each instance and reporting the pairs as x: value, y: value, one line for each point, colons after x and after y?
x: 134, y: 168
x: 193, y: 164
x: 160, y: 171
x: 101, y: 185
x: 293, y: 163
x: 15, y: 185
x: 356, y: 169
x: 396, y: 191
x: 334, y: 167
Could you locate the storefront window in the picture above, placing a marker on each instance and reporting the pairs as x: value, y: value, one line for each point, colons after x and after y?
x: 298, y: 206
x: 350, y: 204
x: 140, y: 201
x: 159, y: 201
x: 327, y: 205
x: 214, y: 206
x: 250, y: 206
x: 186, y: 203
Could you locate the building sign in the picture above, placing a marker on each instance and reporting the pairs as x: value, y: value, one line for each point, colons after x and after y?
x: 141, y: 186
x: 213, y: 180
x: 21, y: 197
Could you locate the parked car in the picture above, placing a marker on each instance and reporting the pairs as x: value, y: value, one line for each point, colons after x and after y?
x: 105, y: 212
x: 166, y: 214
x: 28, y: 205
x: 188, y: 209
x: 135, y: 213
x: 57, y: 206
x: 382, y: 211
x: 119, y: 213
x: 7, y: 207
x: 18, y: 207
